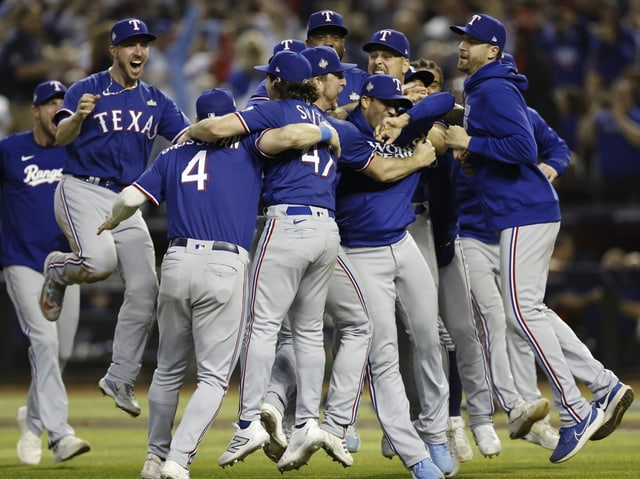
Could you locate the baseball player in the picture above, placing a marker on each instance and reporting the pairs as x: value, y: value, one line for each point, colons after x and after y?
x: 389, y: 53
x: 109, y: 122
x: 30, y: 168
x: 295, y: 257
x: 373, y: 217
x: 326, y: 28
x: 519, y: 203
x: 346, y: 307
x: 212, y: 194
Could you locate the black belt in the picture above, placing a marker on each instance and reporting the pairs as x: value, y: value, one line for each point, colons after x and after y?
x: 216, y: 245
x: 108, y: 183
x: 305, y: 210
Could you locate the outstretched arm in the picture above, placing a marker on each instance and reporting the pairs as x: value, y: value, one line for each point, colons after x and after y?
x: 214, y: 128
x: 125, y: 205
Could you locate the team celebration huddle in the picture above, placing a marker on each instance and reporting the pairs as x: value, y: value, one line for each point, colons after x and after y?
x: 419, y: 227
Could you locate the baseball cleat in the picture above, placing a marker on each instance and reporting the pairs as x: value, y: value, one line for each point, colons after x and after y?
x: 303, y: 443
x: 456, y: 430
x: 487, y: 440
x: 573, y: 438
x: 385, y: 448
x: 336, y: 447
x: 453, y: 451
x: 426, y: 469
x: 271, y: 419
x: 51, y: 294
x: 69, y: 447
x: 29, y: 447
x: 173, y: 470
x: 151, y: 467
x: 352, y: 439
x: 524, y: 414
x: 244, y: 442
x: 614, y: 404
x: 441, y: 457
x: 543, y: 434
x: 122, y: 394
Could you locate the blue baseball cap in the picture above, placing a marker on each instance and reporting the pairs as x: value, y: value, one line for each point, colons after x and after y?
x: 385, y: 87
x: 326, y: 19
x: 215, y: 102
x: 129, y: 27
x: 47, y: 90
x: 391, y: 39
x: 426, y: 77
x: 290, y: 44
x: 325, y: 60
x: 288, y: 65
x: 484, y: 28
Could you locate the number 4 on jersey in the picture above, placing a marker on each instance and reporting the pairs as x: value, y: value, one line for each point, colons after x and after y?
x: 196, y: 171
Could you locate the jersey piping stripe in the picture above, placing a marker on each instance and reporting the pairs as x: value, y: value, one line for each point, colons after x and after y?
x: 358, y: 291
x: 513, y: 296
x: 268, y: 232
x: 232, y: 365
x: 485, y: 355
x: 485, y: 341
x: 74, y: 234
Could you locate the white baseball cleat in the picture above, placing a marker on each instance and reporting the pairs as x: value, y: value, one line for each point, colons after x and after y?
x: 68, y: 447
x: 271, y: 419
x: 29, y: 445
x: 337, y: 448
x: 122, y: 394
x: 303, y: 443
x: 173, y: 470
x: 244, y: 442
x: 151, y: 467
x: 524, y: 414
x: 487, y: 440
x: 456, y: 429
x: 543, y: 434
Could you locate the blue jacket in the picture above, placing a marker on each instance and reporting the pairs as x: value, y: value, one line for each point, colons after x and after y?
x: 511, y: 188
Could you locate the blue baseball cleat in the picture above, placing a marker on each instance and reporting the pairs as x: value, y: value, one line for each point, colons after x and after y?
x: 614, y: 404
x: 573, y: 438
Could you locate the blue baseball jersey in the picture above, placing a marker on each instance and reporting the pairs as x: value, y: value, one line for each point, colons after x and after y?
x: 117, y: 137
x: 294, y: 176
x: 373, y: 213
x: 29, y: 174
x: 211, y: 189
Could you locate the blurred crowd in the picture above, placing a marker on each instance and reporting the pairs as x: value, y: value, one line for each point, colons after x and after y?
x: 582, y: 58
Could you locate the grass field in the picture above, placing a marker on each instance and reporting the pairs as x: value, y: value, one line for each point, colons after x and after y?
x: 119, y: 446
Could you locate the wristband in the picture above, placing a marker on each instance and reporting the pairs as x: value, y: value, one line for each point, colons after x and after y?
x: 325, y: 133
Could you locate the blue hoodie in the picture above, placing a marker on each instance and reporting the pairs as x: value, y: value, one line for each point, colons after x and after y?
x: 512, y: 189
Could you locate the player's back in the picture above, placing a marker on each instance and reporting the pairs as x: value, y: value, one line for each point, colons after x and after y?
x: 211, y: 190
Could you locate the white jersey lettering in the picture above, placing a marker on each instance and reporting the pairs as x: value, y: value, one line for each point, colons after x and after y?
x: 34, y: 176
x: 112, y: 121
